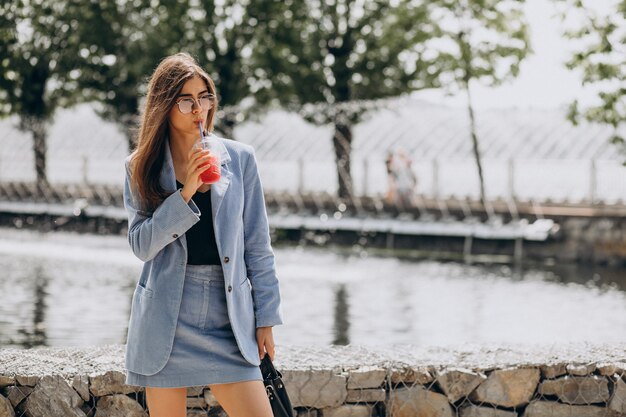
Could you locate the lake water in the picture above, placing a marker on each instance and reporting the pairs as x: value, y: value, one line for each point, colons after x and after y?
x: 62, y: 289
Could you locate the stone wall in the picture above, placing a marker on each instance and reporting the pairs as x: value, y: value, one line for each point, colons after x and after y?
x: 399, y: 381
x: 598, y: 240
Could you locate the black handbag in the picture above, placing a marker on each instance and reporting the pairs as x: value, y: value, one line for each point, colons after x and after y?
x: 275, y: 389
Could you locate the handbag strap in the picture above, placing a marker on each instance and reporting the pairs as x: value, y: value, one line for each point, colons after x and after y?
x: 267, y: 368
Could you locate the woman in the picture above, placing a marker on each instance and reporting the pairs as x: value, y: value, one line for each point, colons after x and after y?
x: 207, y: 298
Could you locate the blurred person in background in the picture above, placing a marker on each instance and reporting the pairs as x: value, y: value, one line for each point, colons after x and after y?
x: 401, y: 179
x: 405, y: 179
x: 390, y: 196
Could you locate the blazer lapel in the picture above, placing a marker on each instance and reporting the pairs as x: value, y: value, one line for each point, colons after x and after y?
x: 168, y: 176
x: 218, y: 189
x: 168, y: 180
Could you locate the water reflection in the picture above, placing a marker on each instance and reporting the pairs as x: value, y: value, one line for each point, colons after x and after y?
x: 73, y: 290
x: 31, y: 329
x: 37, y: 335
x: 342, y: 323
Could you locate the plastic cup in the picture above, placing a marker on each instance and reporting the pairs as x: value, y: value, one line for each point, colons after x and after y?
x: 213, y: 172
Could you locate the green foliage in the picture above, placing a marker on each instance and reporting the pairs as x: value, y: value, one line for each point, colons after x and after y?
x: 8, y: 43
x: 333, y: 60
x: 601, y: 60
x: 40, y: 65
x: 135, y: 35
x: 326, y: 53
x: 331, y: 52
x: 39, y: 57
x: 484, y: 40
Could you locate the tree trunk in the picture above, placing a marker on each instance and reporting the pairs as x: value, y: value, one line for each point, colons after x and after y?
x: 38, y: 129
x: 342, y: 142
x: 475, y: 145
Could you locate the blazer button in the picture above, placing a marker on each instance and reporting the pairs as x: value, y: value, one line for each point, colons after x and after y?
x: 226, y: 259
x: 230, y: 288
x: 175, y: 236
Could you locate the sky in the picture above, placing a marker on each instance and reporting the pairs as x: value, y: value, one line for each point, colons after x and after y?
x: 544, y: 82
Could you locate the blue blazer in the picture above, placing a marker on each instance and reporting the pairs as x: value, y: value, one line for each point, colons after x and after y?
x: 242, y: 235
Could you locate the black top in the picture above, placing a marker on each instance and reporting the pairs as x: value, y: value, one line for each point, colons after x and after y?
x: 201, y: 246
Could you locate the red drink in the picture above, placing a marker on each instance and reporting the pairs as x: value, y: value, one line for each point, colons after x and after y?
x: 212, y: 174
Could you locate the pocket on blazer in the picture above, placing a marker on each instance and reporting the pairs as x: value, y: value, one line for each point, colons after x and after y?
x: 246, y: 281
x: 143, y: 291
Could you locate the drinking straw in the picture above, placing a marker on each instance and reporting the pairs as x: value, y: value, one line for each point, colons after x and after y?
x: 201, y: 132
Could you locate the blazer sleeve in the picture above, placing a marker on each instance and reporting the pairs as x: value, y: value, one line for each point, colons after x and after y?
x: 258, y: 254
x: 149, y: 232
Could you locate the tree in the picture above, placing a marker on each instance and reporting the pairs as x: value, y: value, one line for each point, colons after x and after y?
x: 481, y: 40
x: 140, y: 33
x: 330, y: 59
x: 114, y: 63
x: 38, y: 66
x: 602, y: 60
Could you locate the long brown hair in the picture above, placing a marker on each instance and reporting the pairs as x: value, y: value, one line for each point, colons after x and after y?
x: 164, y: 86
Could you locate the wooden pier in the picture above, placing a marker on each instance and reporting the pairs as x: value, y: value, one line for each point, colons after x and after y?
x: 511, y: 225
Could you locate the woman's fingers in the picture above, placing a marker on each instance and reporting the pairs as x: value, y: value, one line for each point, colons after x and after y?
x: 198, y: 160
x: 265, y: 341
x: 198, y: 155
x: 199, y: 170
x: 193, y: 150
x: 270, y: 350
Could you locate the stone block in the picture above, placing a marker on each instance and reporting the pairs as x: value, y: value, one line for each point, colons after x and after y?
x: 196, y: 402
x: 347, y: 411
x: 112, y: 382
x: 418, y: 401
x: 27, y: 380
x: 581, y: 369
x: 577, y: 389
x: 315, y: 388
x: 366, y: 377
x: 80, y: 383
x: 553, y: 371
x: 306, y: 412
x: 213, y: 412
x: 618, y: 400
x: 508, y: 387
x: 476, y: 411
x: 16, y: 394
x: 53, y: 397
x: 611, y: 369
x: 365, y: 395
x: 119, y: 405
x: 554, y: 409
x: 5, y: 381
x: 209, y: 398
x: 6, y: 409
x: 458, y: 383
x: 411, y: 375
x: 197, y: 413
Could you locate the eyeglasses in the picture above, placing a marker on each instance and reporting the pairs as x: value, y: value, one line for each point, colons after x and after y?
x: 205, y: 101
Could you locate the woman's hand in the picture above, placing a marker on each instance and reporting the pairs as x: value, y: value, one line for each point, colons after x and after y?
x: 197, y: 157
x: 265, y: 340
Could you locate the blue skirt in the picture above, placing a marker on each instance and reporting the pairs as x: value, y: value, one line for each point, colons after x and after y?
x: 205, y: 350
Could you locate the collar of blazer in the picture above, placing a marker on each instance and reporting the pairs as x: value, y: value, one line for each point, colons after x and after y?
x: 218, y: 189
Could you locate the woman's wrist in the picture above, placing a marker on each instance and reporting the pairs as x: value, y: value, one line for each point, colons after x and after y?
x: 186, y: 194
